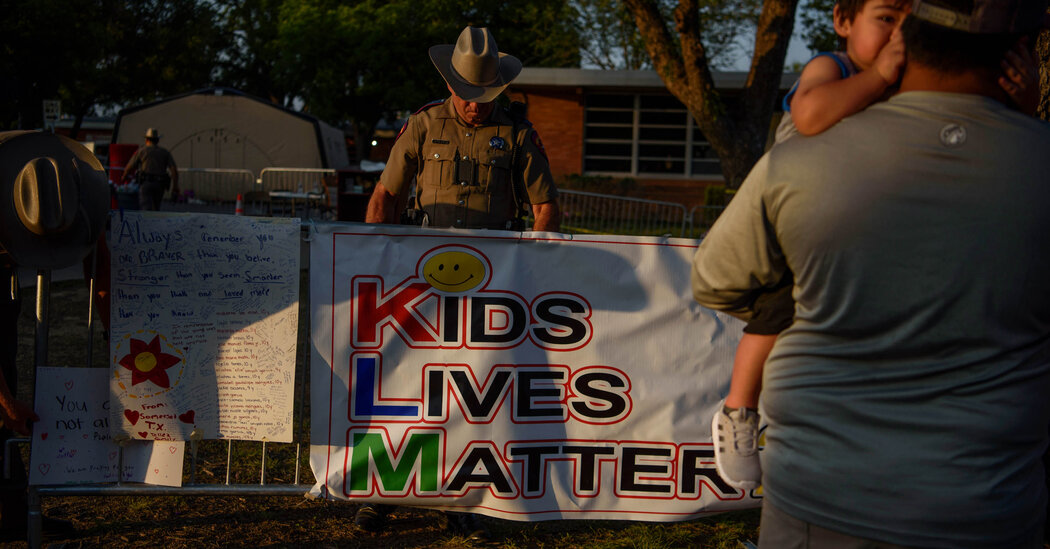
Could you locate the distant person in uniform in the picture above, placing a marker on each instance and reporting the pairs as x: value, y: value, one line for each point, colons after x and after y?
x: 475, y: 164
x: 155, y: 170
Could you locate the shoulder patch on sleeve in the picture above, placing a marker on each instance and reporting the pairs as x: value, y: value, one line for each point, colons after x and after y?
x: 430, y: 105
x: 535, y: 137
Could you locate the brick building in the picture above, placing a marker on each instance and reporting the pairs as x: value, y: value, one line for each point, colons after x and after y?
x: 624, y: 124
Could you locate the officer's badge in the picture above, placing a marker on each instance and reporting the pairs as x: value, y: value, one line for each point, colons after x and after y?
x: 497, y: 143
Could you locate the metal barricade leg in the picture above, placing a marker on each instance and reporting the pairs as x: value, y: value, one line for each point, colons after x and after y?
x: 91, y: 305
x: 35, y: 521
x: 35, y: 518
x: 43, y: 300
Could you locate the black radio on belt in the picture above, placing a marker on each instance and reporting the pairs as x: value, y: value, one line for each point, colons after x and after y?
x: 413, y: 216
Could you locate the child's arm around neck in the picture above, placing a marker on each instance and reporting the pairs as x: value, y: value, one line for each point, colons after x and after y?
x: 820, y: 107
x: 824, y: 97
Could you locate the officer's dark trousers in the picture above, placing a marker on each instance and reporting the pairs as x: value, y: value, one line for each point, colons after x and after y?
x: 150, y: 195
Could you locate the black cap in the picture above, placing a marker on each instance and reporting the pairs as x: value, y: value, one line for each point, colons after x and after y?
x: 986, y: 17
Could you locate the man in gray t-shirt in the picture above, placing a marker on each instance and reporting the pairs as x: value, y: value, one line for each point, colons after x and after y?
x: 909, y: 401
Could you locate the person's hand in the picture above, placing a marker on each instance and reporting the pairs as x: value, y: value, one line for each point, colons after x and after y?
x: 17, y: 416
x: 175, y: 192
x: 1019, y: 79
x: 891, y: 58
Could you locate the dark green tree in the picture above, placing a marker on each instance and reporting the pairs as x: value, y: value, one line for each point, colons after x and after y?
x: 250, y: 63
x: 44, y: 46
x: 90, y: 53
x: 156, y: 48
x: 817, y: 28
x: 611, y: 39
x: 352, y: 63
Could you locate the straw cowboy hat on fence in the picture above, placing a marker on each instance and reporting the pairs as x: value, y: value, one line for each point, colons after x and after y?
x: 54, y: 198
x: 473, y: 67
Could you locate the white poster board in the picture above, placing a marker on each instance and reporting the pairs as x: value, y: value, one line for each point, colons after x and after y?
x: 204, y: 319
x: 71, y: 441
x: 527, y: 376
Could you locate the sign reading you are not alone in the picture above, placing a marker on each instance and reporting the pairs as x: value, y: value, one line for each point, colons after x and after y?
x: 72, y: 443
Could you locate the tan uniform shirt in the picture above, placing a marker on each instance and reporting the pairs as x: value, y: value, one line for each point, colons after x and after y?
x: 151, y: 159
x: 467, y: 174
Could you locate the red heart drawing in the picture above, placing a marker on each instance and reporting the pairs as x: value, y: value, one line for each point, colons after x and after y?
x: 156, y: 471
x: 85, y: 436
x: 187, y: 417
x: 142, y: 434
x: 173, y: 449
x: 132, y: 416
x: 44, y: 468
x: 43, y: 436
x: 112, y: 456
x: 69, y: 385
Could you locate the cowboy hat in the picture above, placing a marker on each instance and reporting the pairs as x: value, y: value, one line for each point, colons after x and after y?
x: 152, y: 134
x: 54, y: 198
x: 473, y: 67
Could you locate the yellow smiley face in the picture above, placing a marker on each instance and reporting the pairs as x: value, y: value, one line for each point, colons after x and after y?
x: 454, y: 271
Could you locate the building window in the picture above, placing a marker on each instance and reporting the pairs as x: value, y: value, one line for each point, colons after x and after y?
x: 644, y: 135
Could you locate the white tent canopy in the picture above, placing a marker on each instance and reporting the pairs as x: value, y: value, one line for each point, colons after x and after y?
x: 225, y: 128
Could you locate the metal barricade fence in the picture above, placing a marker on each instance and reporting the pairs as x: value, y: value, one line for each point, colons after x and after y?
x: 585, y: 212
x: 207, y: 184
x: 701, y: 218
x: 223, y: 487
x: 216, y: 185
x: 294, y: 179
x: 582, y: 211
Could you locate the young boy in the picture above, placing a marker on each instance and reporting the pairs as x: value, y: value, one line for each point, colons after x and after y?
x: 835, y: 85
x: 831, y: 87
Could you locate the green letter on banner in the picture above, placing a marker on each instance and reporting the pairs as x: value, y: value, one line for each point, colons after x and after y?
x: 422, y: 447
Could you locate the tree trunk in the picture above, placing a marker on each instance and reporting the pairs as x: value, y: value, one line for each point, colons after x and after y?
x: 361, y: 144
x: 737, y: 135
x: 74, y: 132
x: 1042, y: 59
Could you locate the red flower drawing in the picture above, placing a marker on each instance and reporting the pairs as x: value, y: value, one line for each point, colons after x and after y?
x: 147, y: 363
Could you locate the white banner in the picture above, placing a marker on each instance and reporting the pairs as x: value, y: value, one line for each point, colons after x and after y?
x: 528, y: 377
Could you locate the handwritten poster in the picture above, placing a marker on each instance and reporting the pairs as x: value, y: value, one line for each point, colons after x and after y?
x: 71, y: 442
x: 204, y: 317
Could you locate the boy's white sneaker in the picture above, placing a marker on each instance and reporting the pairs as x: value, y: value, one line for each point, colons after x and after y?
x: 735, y: 435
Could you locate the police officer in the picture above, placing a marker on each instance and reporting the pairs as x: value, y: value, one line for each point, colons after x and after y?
x: 475, y: 164
x: 156, y: 172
